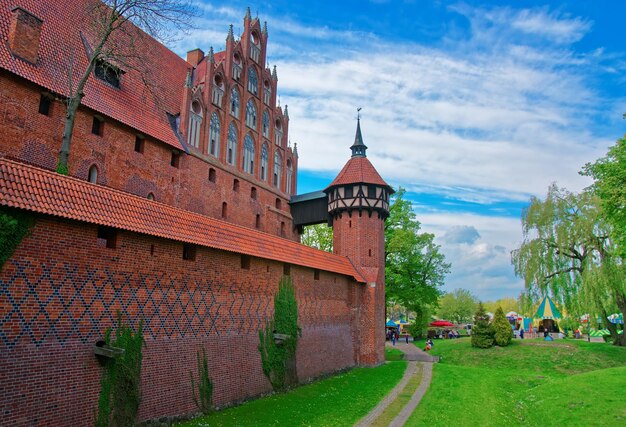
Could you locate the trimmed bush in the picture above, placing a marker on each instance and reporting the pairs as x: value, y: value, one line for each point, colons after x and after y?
x: 502, y: 329
x: 482, y: 331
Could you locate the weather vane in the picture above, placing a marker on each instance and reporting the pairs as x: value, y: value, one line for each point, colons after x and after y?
x: 358, y: 113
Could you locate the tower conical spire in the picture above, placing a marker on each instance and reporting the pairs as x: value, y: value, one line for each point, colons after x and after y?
x: 211, y: 55
x: 358, y: 148
x: 265, y: 28
x: 274, y: 74
x: 248, y: 14
x: 230, y: 36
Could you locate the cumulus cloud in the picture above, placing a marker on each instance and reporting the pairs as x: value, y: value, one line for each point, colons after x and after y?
x: 461, y: 234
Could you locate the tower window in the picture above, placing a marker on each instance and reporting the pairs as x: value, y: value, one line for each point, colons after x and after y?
x: 189, y: 252
x: 257, y: 222
x: 224, y: 210
x: 44, y: 105
x: 97, y: 126
x: 278, y: 203
x: 236, y: 185
x: 139, y: 143
x: 175, y: 162
x: 150, y: 196
x: 348, y: 192
x: 371, y: 191
x: 253, y: 193
x: 212, y: 175
x: 93, y: 174
x: 107, y: 237
x: 282, y: 228
x: 245, y: 262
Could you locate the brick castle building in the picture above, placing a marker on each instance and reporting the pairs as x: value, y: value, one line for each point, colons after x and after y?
x: 179, y: 211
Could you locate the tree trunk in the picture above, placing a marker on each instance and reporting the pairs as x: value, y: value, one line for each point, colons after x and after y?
x: 620, y: 299
x: 70, y: 117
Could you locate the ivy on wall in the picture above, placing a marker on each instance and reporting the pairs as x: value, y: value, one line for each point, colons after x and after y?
x: 14, y: 226
x: 204, y: 396
x: 278, y: 355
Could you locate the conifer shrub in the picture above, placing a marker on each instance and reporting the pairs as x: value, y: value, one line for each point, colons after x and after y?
x: 503, y: 333
x: 482, y: 331
x: 14, y: 226
x: 202, y: 391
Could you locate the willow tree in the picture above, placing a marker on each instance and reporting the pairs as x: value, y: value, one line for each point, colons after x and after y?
x: 567, y: 251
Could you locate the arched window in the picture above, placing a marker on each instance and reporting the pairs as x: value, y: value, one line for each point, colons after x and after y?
x: 93, y: 174
x: 231, y: 153
x: 195, y: 122
x: 235, y: 103
x: 150, y: 196
x: 264, y: 160
x: 266, y: 124
x: 289, y: 176
x: 250, y: 114
x: 248, y: 154
x: 214, y: 135
x: 278, y: 133
x: 277, y: 169
x: 267, y: 92
x: 253, y: 81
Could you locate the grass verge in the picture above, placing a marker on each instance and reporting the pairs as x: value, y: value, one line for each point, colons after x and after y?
x: 393, y: 354
x: 392, y: 411
x: 339, y: 400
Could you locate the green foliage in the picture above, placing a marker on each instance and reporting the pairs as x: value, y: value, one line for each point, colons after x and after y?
x: 503, y: 334
x: 609, y: 174
x: 204, y: 398
x: 14, y: 226
x: 414, y: 266
x: 419, y: 327
x: 319, y: 236
x: 275, y: 358
x: 62, y: 168
x: 507, y: 304
x: 457, y: 306
x: 482, y: 331
x: 120, y: 394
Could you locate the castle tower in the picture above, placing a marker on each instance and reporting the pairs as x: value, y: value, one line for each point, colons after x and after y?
x: 358, y: 203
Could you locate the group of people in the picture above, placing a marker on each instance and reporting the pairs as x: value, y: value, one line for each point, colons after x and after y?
x: 393, y: 336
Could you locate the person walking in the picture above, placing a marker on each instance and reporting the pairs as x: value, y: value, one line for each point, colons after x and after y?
x: 406, y: 337
x: 521, y: 333
x: 393, y: 338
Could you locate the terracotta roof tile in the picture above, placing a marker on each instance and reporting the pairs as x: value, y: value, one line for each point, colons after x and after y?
x: 133, y: 104
x: 358, y: 170
x: 27, y: 187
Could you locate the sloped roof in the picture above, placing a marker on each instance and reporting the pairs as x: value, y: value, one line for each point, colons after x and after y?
x: 547, y: 310
x: 64, y: 21
x: 34, y: 189
x: 358, y: 170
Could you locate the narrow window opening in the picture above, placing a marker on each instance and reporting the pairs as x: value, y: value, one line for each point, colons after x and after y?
x: 175, y: 162
x: 268, y: 268
x: 97, y: 126
x: 224, y: 210
x: 150, y: 196
x: 107, y: 237
x: 370, y: 252
x: 44, y: 105
x: 245, y: 262
x: 278, y: 203
x: 282, y: 228
x: 139, y: 144
x: 212, y: 175
x: 151, y: 249
x: 236, y: 185
x: 286, y: 269
x: 253, y: 193
x: 316, y: 274
x: 257, y: 222
x: 189, y: 252
x: 371, y: 192
x: 93, y: 174
x: 350, y: 224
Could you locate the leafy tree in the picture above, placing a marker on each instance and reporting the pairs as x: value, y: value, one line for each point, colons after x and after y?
x: 115, y: 30
x: 609, y: 174
x: 419, y: 326
x: 507, y: 304
x: 414, y: 266
x: 567, y: 250
x: 457, y: 306
x: 482, y: 331
x: 503, y: 334
x: 318, y: 236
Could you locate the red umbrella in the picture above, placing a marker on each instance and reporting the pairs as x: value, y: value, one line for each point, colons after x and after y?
x: 441, y: 323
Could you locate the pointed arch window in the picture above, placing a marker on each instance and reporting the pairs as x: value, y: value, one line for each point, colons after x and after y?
x: 235, y: 102
x: 278, y: 133
x: 195, y: 122
x: 231, y: 152
x: 264, y: 161
x: 266, y: 124
x: 248, y: 154
x: 93, y: 174
x: 289, y: 176
x: 251, y: 114
x: 214, y: 135
x: 253, y: 81
x: 277, y: 169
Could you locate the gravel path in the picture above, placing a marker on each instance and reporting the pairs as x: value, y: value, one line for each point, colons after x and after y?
x: 413, y: 355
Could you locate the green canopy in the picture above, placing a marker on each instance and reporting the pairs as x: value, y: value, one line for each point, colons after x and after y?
x: 547, y: 310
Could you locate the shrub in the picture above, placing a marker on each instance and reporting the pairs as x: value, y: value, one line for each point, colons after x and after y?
x: 502, y: 329
x: 482, y: 331
x: 14, y: 226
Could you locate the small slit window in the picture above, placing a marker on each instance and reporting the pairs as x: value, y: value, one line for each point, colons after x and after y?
x: 236, y: 185
x: 316, y: 274
x: 93, y: 174
x: 257, y: 221
x: 224, y: 210
x: 245, y: 262
x: 253, y: 193
x: 212, y: 175
x: 139, y: 143
x: 189, y: 252
x: 44, y: 105
x: 107, y: 237
x: 286, y: 269
x: 282, y: 228
x: 278, y: 203
x: 175, y: 162
x: 97, y: 126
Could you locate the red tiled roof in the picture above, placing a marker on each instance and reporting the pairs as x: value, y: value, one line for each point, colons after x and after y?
x: 27, y: 187
x: 133, y: 104
x: 358, y: 170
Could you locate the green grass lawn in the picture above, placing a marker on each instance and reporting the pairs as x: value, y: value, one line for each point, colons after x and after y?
x: 336, y: 401
x: 531, y: 382
x: 393, y: 354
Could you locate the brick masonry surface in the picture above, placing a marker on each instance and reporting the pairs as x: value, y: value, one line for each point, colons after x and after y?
x: 63, y: 288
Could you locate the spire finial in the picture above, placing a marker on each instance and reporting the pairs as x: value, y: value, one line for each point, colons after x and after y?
x: 286, y: 111
x: 358, y: 148
x: 211, y: 55
x: 230, y: 36
x: 188, y: 79
x: 248, y: 16
x: 265, y: 28
x: 274, y: 74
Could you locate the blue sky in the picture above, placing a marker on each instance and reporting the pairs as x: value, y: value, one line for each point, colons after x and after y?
x: 473, y: 107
